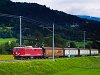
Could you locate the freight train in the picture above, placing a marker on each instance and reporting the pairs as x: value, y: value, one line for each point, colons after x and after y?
x: 46, y: 52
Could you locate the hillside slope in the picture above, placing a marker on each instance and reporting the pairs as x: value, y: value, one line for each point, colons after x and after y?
x: 35, y: 15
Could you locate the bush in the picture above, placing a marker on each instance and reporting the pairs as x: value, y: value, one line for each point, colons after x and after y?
x: 73, y: 45
x: 7, y: 47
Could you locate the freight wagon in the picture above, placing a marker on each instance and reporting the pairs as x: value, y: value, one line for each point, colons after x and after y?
x: 58, y: 52
x: 94, y: 51
x: 84, y: 52
x: 71, y: 52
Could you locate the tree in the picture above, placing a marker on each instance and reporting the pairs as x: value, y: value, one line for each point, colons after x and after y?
x: 48, y: 41
x: 59, y: 41
x: 73, y: 45
x: 5, y: 32
x: 7, y: 48
x: 38, y: 38
x: 89, y: 45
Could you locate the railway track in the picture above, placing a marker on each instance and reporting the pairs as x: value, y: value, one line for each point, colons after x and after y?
x: 7, y: 61
x: 2, y: 61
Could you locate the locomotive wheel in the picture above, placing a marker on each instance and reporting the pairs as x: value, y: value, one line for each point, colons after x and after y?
x: 16, y: 57
x: 31, y: 57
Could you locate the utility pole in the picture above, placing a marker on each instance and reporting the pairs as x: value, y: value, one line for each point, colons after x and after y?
x: 84, y: 39
x: 69, y: 49
x: 69, y: 40
x: 20, y: 17
x: 53, y: 43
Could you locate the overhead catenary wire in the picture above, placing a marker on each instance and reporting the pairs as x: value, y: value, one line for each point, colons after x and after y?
x: 8, y: 15
x: 24, y: 18
x: 32, y: 20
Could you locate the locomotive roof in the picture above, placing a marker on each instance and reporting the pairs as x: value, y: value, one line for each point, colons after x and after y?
x: 28, y: 47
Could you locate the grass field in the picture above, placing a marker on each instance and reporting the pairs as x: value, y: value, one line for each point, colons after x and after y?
x: 2, y: 41
x: 62, y: 66
x: 6, y: 57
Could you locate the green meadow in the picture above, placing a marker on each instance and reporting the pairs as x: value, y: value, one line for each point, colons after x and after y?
x: 2, y: 41
x: 61, y: 66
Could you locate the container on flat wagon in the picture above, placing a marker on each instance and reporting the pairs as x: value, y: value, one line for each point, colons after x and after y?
x: 84, y: 51
x: 71, y: 51
x: 94, y: 51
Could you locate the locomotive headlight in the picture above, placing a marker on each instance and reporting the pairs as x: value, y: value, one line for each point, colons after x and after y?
x: 16, y: 53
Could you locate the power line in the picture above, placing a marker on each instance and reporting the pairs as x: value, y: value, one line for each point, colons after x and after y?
x: 8, y: 15
x: 36, y: 21
x: 24, y: 18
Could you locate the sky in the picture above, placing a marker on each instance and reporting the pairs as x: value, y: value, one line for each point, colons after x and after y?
x: 74, y: 7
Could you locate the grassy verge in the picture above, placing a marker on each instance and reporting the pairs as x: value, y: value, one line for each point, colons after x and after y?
x: 63, y: 66
x: 6, y: 57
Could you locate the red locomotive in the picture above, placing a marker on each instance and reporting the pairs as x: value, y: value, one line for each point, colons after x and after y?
x: 27, y: 52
